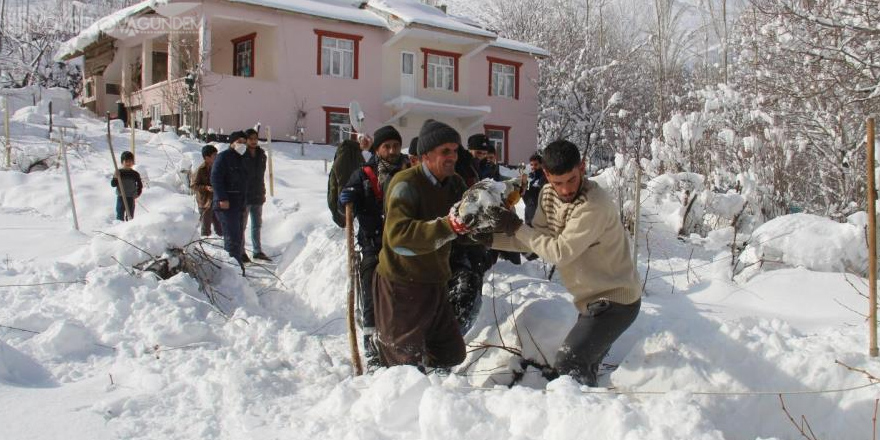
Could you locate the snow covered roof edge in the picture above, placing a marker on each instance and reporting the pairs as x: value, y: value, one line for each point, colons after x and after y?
x: 519, y: 46
x: 92, y: 33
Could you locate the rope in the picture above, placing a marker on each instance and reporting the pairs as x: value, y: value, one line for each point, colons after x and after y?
x: 701, y: 393
x: 43, y: 284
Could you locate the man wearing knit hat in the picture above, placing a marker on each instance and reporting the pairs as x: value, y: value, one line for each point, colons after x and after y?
x: 413, y: 151
x: 229, y: 178
x: 365, y: 191
x: 414, y: 320
x: 576, y: 226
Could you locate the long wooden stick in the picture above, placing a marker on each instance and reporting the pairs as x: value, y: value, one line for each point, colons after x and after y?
x: 638, y: 213
x: 271, y: 167
x: 872, y: 245
x: 131, y: 127
x: 353, y: 282
x: 6, y: 131
x: 69, y: 184
x: 119, y: 187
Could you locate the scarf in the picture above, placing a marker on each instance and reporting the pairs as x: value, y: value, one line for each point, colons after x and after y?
x: 385, y: 170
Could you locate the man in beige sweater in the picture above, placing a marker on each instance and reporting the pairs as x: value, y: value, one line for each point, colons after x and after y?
x: 577, y: 227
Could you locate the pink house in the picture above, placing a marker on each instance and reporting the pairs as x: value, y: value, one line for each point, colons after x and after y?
x: 296, y: 65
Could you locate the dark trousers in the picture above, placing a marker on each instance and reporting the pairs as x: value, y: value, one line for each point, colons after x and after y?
x: 208, y: 218
x: 120, y: 208
x: 369, y: 261
x: 465, y: 289
x: 255, y: 212
x: 416, y: 325
x: 591, y: 338
x: 231, y: 223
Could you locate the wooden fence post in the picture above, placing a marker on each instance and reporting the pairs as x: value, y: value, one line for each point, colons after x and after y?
x: 69, y: 184
x: 6, y: 131
x: 872, y: 245
x: 271, y: 167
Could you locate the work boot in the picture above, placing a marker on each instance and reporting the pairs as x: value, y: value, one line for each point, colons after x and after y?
x: 261, y: 256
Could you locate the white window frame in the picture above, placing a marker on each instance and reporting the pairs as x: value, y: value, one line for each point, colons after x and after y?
x: 441, y: 72
x: 497, y: 142
x: 339, y: 131
x: 503, y: 80
x: 156, y: 114
x: 336, y: 59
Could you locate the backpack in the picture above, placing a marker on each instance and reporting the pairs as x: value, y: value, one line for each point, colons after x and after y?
x: 347, y: 159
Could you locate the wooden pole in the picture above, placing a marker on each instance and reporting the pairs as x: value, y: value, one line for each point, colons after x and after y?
x: 271, y: 167
x: 131, y: 123
x: 353, y: 282
x: 6, y: 131
x: 69, y: 184
x: 638, y: 214
x: 119, y: 188
x: 872, y: 244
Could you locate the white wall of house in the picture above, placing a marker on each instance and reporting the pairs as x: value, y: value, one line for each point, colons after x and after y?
x: 288, y: 79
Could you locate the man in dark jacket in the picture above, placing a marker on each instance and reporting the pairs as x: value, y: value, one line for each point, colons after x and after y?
x: 229, y: 178
x: 201, y: 186
x: 347, y: 159
x: 365, y: 190
x: 467, y: 260
x: 255, y: 163
x: 481, y: 148
x: 533, y: 186
x: 414, y: 320
x: 131, y: 187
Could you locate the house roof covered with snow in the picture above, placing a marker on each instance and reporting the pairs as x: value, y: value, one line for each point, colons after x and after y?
x: 92, y: 34
x: 344, y: 10
x: 389, y: 14
x: 412, y: 12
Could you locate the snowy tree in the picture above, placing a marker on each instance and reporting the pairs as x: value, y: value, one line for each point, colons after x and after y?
x: 32, y: 30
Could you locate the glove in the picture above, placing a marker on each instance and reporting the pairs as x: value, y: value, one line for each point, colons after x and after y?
x: 505, y: 221
x: 458, y: 225
x: 348, y: 195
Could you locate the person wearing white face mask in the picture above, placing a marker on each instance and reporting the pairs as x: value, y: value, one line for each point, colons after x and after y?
x: 229, y: 178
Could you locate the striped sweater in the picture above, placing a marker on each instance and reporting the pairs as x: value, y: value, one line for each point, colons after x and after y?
x: 586, y: 242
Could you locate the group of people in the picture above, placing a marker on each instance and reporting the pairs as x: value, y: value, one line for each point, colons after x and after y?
x: 422, y: 265
x: 230, y: 189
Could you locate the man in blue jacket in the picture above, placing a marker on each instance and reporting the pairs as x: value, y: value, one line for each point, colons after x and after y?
x: 229, y: 178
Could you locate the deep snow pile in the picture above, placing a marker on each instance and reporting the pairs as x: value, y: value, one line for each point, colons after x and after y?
x: 92, y: 349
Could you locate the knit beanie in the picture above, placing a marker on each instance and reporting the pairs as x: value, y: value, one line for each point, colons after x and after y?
x: 478, y: 142
x: 434, y: 134
x: 384, y: 134
x: 414, y: 146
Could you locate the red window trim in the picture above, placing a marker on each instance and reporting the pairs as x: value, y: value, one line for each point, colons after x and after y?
x: 455, y: 56
x: 252, y: 37
x: 506, y: 131
x: 357, y: 45
x: 330, y: 109
x: 516, y: 66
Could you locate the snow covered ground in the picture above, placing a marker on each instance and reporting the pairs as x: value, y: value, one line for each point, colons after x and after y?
x: 92, y: 349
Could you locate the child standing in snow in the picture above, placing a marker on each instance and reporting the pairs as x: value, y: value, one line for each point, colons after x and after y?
x: 201, y: 186
x: 131, y: 187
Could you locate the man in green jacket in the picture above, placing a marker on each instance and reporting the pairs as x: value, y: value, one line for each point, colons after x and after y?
x: 576, y: 226
x: 414, y: 320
